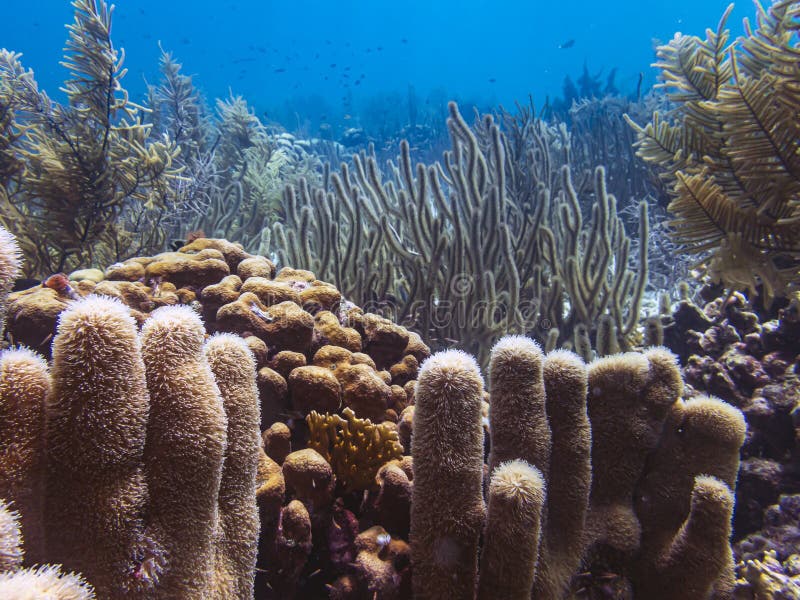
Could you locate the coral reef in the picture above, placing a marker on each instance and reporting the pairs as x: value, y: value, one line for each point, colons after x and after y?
x: 620, y: 503
x: 729, y: 350
x: 234, y: 167
x: 255, y: 413
x: 174, y: 289
x: 768, y: 579
x: 780, y: 534
x: 354, y: 447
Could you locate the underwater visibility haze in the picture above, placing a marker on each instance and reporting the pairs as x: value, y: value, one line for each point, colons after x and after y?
x: 388, y: 301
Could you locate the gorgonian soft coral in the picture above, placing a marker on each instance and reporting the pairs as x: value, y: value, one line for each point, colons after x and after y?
x: 731, y: 149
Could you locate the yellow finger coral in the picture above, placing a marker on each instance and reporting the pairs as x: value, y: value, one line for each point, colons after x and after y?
x: 355, y: 448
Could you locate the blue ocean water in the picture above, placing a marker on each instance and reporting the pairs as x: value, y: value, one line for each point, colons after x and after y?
x: 307, y: 58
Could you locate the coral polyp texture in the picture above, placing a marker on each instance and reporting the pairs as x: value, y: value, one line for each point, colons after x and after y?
x: 140, y: 497
x: 10, y: 264
x: 447, y: 511
x: 33, y: 583
x: 662, y: 474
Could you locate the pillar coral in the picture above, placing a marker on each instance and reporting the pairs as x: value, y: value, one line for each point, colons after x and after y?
x: 143, y: 495
x: 97, y: 413
x: 447, y: 512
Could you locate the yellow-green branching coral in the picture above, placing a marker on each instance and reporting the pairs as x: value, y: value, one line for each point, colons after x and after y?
x: 355, y: 448
x: 729, y: 149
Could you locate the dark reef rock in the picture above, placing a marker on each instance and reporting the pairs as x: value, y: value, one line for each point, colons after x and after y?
x: 728, y: 352
x: 781, y: 532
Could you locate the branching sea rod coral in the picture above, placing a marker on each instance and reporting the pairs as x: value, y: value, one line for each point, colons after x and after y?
x: 467, y: 250
x: 729, y: 150
x: 234, y: 166
x: 80, y: 181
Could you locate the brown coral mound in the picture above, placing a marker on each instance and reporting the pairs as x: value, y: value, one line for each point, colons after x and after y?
x: 298, y: 325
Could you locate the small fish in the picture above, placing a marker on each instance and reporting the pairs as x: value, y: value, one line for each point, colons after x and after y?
x: 568, y: 44
x: 333, y: 65
x: 280, y: 70
x: 492, y: 80
x: 60, y: 283
x: 383, y: 540
x: 404, y: 41
x: 347, y: 117
x: 25, y: 283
